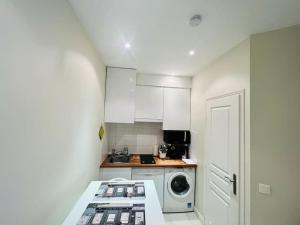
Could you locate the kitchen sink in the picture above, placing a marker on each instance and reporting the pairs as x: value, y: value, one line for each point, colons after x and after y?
x: 119, y: 158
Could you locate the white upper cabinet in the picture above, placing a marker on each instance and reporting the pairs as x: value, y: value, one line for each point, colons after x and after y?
x: 164, y: 81
x: 147, y: 99
x: 120, y: 95
x: 177, y: 109
x: 149, y: 104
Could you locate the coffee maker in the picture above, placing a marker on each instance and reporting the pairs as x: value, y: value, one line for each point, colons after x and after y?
x: 177, y: 143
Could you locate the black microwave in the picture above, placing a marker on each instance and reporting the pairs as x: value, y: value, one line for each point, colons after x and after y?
x: 177, y: 137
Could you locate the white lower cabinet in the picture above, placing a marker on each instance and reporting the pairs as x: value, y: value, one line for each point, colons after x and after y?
x: 155, y: 174
x: 111, y: 173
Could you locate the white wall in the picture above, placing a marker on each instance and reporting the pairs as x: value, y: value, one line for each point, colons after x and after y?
x: 139, y: 137
x: 229, y: 73
x: 275, y: 126
x: 52, y: 101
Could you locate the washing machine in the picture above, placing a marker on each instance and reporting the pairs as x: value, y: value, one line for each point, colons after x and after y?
x: 179, y: 190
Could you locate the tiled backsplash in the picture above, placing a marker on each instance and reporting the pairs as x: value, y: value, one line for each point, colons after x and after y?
x: 139, y: 137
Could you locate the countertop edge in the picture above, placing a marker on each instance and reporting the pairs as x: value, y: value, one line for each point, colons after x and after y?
x: 134, y: 163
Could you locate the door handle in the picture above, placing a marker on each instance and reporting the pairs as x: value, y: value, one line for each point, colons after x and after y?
x: 233, y: 181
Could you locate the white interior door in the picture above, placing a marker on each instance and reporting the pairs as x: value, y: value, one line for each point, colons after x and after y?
x: 222, y: 168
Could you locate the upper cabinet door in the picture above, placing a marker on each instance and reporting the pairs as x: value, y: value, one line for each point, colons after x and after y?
x: 149, y: 104
x: 120, y: 95
x: 177, y: 109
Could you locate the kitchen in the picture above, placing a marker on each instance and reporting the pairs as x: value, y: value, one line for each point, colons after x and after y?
x: 149, y: 140
x: 149, y: 112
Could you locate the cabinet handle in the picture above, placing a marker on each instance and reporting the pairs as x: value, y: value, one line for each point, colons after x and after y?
x: 148, y: 174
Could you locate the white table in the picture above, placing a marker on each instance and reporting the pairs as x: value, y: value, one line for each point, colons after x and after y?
x: 153, y: 211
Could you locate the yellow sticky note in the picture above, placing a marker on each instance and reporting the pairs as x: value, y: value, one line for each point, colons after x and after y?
x: 101, y: 132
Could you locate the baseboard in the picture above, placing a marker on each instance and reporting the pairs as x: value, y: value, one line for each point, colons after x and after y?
x: 199, y: 215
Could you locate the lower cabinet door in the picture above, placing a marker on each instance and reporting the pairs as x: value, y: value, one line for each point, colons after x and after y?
x: 112, y: 173
x: 155, y: 174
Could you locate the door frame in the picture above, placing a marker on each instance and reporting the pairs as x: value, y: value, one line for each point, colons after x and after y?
x: 242, y: 167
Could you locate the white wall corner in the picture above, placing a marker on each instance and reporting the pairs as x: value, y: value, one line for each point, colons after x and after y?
x: 200, y: 216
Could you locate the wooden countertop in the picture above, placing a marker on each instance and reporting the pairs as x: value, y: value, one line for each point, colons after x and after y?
x: 135, y: 162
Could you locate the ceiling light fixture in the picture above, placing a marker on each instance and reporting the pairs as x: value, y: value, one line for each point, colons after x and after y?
x: 195, y: 20
x: 192, y: 52
x: 127, y: 45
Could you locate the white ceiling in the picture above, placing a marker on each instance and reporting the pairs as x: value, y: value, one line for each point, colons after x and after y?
x: 160, y: 35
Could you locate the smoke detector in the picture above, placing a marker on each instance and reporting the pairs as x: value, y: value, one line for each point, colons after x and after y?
x: 195, y: 20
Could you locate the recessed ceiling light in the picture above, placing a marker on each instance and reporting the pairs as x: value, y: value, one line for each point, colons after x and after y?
x: 192, y: 52
x: 127, y: 45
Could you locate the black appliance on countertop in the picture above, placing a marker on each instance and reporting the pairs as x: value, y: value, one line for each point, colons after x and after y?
x: 177, y: 143
x: 147, y: 159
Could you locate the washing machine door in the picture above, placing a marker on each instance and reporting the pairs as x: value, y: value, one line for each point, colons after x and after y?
x: 179, y: 185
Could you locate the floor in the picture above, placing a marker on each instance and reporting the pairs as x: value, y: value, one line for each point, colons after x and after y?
x: 181, y: 219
